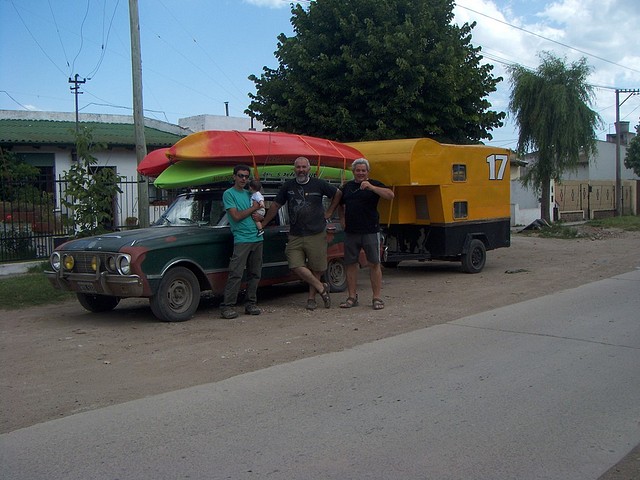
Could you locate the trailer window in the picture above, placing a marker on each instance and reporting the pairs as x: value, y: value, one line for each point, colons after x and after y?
x: 460, y: 210
x: 459, y: 173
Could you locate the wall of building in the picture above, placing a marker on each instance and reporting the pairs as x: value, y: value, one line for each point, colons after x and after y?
x: 199, y: 123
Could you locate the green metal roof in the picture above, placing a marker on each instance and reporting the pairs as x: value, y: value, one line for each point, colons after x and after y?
x: 61, y: 133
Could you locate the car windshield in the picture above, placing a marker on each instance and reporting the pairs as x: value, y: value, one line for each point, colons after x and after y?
x: 202, y: 208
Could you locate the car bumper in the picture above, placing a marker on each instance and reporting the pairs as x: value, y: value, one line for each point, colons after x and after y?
x: 99, y: 284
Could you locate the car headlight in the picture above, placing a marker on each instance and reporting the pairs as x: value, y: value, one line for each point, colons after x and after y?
x: 68, y: 262
x: 55, y: 261
x: 111, y: 264
x: 124, y: 264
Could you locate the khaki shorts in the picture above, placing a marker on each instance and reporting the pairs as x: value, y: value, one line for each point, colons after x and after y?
x: 309, y: 251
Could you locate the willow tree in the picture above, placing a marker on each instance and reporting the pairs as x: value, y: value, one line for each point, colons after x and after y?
x: 552, y: 111
x: 368, y: 70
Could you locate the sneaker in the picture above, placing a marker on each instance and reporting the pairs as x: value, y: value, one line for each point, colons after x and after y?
x: 251, y: 309
x: 228, y: 313
x: 260, y: 233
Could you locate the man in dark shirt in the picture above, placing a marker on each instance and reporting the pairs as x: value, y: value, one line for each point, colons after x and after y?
x: 359, y: 198
x: 307, y: 246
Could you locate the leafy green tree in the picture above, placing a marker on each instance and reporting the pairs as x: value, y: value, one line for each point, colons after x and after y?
x: 363, y: 70
x: 551, y: 109
x: 89, y: 191
x: 632, y: 159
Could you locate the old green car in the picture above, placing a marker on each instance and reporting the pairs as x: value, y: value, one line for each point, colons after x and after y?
x: 184, y: 253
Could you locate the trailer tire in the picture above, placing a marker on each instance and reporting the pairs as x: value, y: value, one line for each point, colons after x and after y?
x: 473, y: 261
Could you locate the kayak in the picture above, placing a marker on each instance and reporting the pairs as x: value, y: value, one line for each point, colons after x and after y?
x: 154, y: 163
x: 194, y: 174
x: 230, y: 147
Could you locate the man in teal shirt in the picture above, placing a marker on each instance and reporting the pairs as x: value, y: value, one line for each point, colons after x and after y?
x: 247, y: 245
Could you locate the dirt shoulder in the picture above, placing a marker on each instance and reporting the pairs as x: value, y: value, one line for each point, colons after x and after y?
x: 60, y: 360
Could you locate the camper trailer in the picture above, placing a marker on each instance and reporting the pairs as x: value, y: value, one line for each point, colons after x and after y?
x: 451, y: 201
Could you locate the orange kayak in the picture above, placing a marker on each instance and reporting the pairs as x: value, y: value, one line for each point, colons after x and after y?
x: 230, y: 147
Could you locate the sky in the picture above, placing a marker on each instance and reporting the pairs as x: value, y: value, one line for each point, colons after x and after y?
x: 197, y: 55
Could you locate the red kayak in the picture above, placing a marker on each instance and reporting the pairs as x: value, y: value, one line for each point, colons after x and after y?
x: 154, y: 163
x: 230, y: 147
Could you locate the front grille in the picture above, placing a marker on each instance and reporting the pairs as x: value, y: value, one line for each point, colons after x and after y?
x: 83, y: 261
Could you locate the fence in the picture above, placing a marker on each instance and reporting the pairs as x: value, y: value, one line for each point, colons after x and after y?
x: 34, y: 221
x: 582, y: 200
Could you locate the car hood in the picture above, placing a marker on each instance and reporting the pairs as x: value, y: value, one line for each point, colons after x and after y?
x: 114, y: 241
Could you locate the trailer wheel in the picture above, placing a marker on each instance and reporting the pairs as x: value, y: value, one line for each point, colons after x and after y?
x: 473, y: 261
x: 178, y: 296
x: 98, y: 303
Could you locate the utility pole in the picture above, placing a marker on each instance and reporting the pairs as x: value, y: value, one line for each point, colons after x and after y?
x: 630, y: 91
x: 76, y: 91
x: 138, y: 112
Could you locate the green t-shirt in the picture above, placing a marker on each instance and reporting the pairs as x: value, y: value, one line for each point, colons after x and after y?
x: 244, y: 231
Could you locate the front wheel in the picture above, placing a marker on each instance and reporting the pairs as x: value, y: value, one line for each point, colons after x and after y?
x: 98, y: 303
x: 336, y: 275
x: 473, y: 261
x: 178, y: 296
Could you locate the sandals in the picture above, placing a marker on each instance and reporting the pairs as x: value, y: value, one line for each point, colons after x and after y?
x: 377, y: 304
x: 325, y: 296
x: 350, y: 302
x: 311, y: 304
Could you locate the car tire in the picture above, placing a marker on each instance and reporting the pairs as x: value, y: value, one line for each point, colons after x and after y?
x: 336, y: 275
x: 178, y: 296
x: 473, y: 261
x: 98, y: 303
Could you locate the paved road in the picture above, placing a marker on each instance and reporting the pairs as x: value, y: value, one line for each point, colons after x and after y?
x: 545, y: 389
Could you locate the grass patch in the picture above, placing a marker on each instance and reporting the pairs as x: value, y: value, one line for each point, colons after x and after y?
x: 29, y: 290
x: 558, y: 230
x: 629, y: 223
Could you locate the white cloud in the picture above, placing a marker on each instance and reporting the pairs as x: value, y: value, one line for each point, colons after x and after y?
x: 602, y: 31
x: 270, y: 3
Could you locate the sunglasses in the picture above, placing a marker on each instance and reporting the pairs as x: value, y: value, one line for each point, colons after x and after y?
x: 242, y: 175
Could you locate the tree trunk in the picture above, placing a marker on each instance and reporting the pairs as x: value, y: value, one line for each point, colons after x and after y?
x: 545, y: 199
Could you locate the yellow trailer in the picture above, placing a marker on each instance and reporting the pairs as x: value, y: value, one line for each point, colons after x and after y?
x: 452, y: 202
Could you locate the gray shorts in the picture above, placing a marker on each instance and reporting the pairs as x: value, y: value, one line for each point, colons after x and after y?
x: 354, y: 242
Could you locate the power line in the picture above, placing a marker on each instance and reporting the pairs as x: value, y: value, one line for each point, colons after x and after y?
x: 35, y: 40
x: 86, y: 13
x: 66, y: 58
x: 9, y: 95
x: 103, y: 47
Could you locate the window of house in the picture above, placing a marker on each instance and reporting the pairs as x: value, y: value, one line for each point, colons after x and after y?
x: 45, y: 163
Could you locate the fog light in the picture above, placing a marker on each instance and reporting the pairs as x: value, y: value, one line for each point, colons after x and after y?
x: 94, y: 264
x: 68, y: 262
